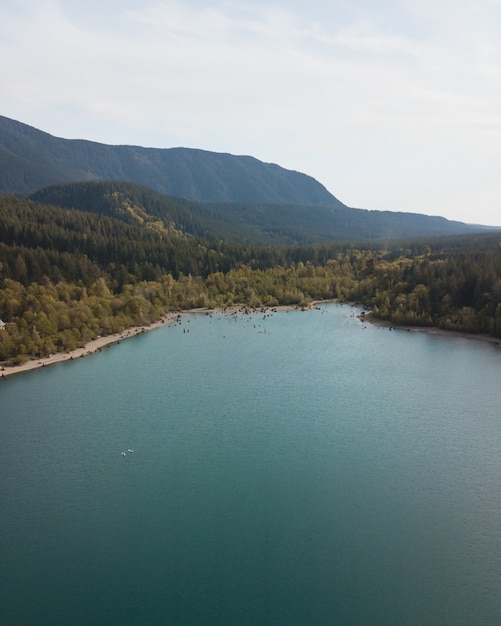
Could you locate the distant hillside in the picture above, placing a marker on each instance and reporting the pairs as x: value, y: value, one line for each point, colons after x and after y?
x: 206, y: 194
x: 258, y: 224
x: 31, y: 159
x: 140, y: 206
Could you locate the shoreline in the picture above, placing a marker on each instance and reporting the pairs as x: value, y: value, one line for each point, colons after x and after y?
x: 97, y: 345
x: 430, y: 330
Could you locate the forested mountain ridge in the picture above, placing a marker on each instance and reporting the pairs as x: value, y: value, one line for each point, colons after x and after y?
x: 214, y: 195
x: 31, y: 159
x: 127, y: 202
x: 258, y: 224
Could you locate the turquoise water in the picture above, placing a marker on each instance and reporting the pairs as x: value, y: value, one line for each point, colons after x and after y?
x: 301, y: 468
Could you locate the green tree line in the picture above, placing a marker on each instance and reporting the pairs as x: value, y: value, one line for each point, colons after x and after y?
x: 67, y: 277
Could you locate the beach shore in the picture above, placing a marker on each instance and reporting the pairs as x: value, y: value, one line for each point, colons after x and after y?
x: 96, y: 345
x: 93, y: 346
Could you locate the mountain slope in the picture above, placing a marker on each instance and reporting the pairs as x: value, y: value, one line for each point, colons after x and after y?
x: 259, y: 224
x: 138, y: 205
x: 31, y: 159
x: 216, y: 196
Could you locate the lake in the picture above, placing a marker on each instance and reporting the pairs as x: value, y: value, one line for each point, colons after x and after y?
x: 288, y: 468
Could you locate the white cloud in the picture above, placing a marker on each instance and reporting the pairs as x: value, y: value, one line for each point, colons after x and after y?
x: 390, y: 105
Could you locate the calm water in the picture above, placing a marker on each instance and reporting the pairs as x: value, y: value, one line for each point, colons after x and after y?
x: 299, y: 469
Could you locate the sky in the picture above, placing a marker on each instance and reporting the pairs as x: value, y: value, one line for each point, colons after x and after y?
x: 392, y: 105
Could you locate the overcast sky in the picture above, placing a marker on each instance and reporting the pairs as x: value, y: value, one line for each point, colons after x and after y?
x: 391, y: 104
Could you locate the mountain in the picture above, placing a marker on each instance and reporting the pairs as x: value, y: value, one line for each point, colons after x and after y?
x: 140, y: 206
x: 206, y: 194
x: 31, y: 159
x: 258, y: 224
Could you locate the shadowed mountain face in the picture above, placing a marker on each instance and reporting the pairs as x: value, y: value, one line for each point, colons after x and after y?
x: 31, y: 159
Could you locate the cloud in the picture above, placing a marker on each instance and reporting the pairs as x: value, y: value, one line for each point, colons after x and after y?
x: 352, y: 92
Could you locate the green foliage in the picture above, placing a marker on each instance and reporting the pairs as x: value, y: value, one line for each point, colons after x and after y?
x: 455, y: 288
x: 67, y: 277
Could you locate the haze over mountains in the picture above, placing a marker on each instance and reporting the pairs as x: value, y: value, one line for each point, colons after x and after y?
x: 211, y: 194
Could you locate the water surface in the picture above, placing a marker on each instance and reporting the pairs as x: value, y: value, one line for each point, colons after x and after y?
x: 295, y: 468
